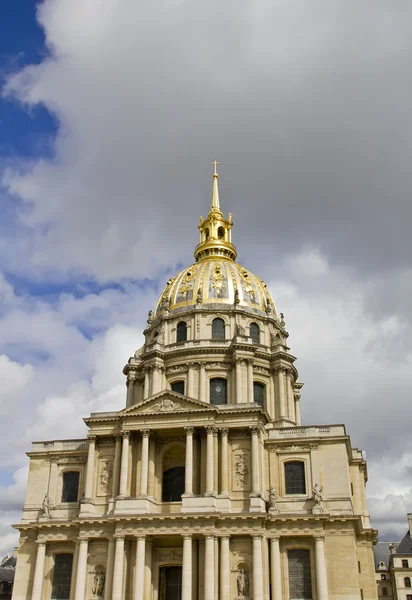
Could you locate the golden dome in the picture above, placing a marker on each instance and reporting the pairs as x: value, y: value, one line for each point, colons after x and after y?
x: 217, y: 282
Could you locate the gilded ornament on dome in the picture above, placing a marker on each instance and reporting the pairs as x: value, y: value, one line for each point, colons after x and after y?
x: 248, y: 285
x: 186, y: 286
x: 217, y: 282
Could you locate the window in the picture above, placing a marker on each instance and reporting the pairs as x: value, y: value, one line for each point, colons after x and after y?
x: 218, y: 391
x: 407, y: 581
x: 173, y: 484
x: 62, y: 575
x: 259, y: 393
x: 384, y: 591
x: 408, y: 596
x: 300, y: 583
x: 405, y: 564
x: 218, y: 329
x: 170, y: 583
x: 70, y: 486
x: 221, y: 233
x: 255, y: 333
x: 181, y: 332
x: 178, y: 387
x: 295, y: 477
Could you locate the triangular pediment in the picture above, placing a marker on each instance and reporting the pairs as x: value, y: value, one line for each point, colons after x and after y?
x: 167, y: 402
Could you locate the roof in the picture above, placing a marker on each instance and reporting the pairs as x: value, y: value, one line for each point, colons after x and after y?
x: 6, y: 574
x: 405, y: 546
x: 381, y: 552
x: 9, y: 562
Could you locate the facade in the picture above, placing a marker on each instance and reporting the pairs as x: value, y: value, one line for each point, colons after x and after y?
x: 206, y: 485
x: 393, y: 564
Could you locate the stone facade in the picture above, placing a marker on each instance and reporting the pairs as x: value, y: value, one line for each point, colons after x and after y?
x: 268, y: 509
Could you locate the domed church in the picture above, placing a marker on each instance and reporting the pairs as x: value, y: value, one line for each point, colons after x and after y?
x: 206, y: 486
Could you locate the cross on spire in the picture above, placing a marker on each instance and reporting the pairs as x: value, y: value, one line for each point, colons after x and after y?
x: 214, y: 164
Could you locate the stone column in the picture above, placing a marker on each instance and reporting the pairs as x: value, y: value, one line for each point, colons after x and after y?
x: 37, y: 589
x: 190, y: 376
x: 297, y: 409
x: 131, y: 378
x: 144, y: 468
x: 281, y: 388
x: 156, y: 379
x: 239, y: 381
x: 80, y: 589
x: 224, y: 432
x: 187, y: 568
x: 209, y: 462
x: 152, y: 466
x: 272, y: 403
x: 117, y: 591
x: 139, y: 568
x: 202, y: 381
x: 250, y: 380
x: 88, y: 491
x: 108, y: 584
x: 224, y: 568
x: 124, y: 467
x: 257, y: 568
x: 321, y: 578
x: 290, y: 398
x: 189, y: 462
x: 148, y: 570
x: 209, y: 575
x: 116, y: 466
x: 146, y: 389
x: 255, y: 461
x: 275, y: 571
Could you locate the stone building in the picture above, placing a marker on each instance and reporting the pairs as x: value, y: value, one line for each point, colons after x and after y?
x: 393, y: 564
x: 206, y: 485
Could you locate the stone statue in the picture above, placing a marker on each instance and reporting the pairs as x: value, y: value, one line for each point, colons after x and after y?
x: 242, y: 583
x: 237, y: 298
x: 282, y: 319
x: 98, y: 584
x: 240, y: 330
x: 150, y: 317
x: 317, y: 496
x: 45, y: 507
x: 272, y: 497
x: 199, y: 296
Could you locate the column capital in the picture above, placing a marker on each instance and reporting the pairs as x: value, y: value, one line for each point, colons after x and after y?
x: 82, y: 540
x: 126, y: 434
x: 189, y: 430
x: 249, y: 361
x: 92, y: 438
x: 210, y: 429
x: 239, y: 361
x: 145, y: 433
x: 187, y: 536
x: 224, y: 431
x: 210, y: 536
x: 274, y: 538
x: 256, y: 536
x: 254, y: 429
x: 202, y: 364
x: 41, y: 543
x: 116, y: 437
x: 319, y: 538
x: 140, y: 536
x: 224, y: 537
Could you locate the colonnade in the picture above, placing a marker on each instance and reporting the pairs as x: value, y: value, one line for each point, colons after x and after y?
x: 114, y: 583
x: 281, y: 399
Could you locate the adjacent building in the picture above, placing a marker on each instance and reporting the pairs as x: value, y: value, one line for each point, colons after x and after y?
x: 393, y: 564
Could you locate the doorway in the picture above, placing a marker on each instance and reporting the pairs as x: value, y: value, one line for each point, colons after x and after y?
x: 170, y: 587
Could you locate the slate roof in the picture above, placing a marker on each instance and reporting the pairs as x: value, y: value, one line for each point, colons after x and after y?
x: 6, y: 574
x: 382, y: 553
x: 405, y: 546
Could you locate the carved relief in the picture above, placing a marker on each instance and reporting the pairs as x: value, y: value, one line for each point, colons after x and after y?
x: 105, y: 477
x: 241, y: 470
x: 165, y: 405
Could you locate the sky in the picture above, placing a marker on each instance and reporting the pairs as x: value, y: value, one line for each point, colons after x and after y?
x: 111, y: 112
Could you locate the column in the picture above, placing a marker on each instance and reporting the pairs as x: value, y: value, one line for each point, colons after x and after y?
x: 88, y: 491
x: 321, y: 578
x: 189, y: 462
x: 152, y: 466
x: 116, y: 466
x: 202, y: 381
x: 289, y: 389
x: 148, y: 570
x: 117, y: 591
x: 281, y: 388
x: 297, y: 409
x: 146, y: 389
x: 257, y: 568
x: 275, y: 571
x: 224, y: 569
x: 224, y: 432
x: 209, y: 575
x: 250, y: 380
x: 272, y: 403
x: 39, y: 572
x: 139, y: 568
x: 109, y: 570
x: 80, y: 589
x: 131, y: 378
x: 262, y: 486
x: 209, y: 461
x: 187, y: 568
x: 124, y: 466
x: 190, y: 374
x: 239, y: 380
x: 144, y: 468
x: 255, y: 460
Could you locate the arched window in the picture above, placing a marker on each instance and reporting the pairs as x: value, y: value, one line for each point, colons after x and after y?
x: 255, y: 333
x: 218, y: 391
x: 181, y: 332
x: 218, y: 329
x: 173, y: 484
x: 221, y: 233
x: 70, y: 486
x: 62, y: 575
x: 300, y: 582
x: 407, y: 581
x: 259, y: 393
x: 295, y: 477
x: 178, y: 387
x: 384, y: 591
x: 207, y: 234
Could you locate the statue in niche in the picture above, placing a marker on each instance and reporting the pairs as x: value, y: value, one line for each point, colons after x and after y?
x: 241, y: 469
x: 98, y: 584
x: 105, y: 476
x: 272, y: 497
x: 317, y: 495
x: 242, y: 581
x: 240, y: 330
x: 45, y: 507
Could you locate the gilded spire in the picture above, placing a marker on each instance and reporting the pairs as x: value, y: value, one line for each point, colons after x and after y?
x: 215, y: 231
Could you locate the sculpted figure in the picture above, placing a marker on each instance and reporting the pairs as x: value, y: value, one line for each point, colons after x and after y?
x: 242, y: 583
x: 317, y: 496
x: 98, y: 584
x: 272, y: 497
x: 45, y: 507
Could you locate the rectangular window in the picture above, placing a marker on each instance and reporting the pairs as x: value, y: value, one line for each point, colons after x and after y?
x: 405, y: 564
x: 384, y: 591
x: 300, y: 583
x: 62, y: 575
x: 359, y: 567
x: 408, y: 596
x: 361, y: 594
x: 178, y: 387
x: 351, y: 488
x: 295, y: 477
x: 70, y: 486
